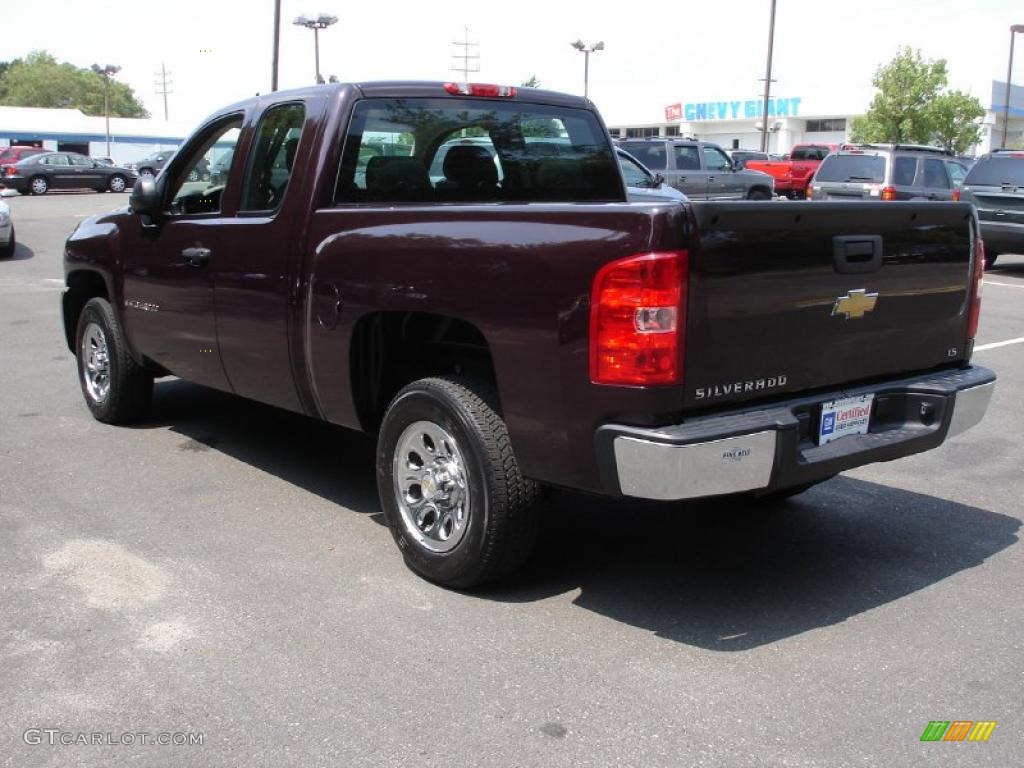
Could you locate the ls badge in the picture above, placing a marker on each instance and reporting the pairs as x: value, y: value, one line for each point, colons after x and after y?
x: 855, y: 304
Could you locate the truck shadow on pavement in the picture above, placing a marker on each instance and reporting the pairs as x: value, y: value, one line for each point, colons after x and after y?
x: 725, y: 575
x: 732, y: 575
x: 21, y: 253
x: 336, y: 464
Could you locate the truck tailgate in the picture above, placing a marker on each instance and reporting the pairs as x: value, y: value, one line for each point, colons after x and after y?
x: 792, y: 297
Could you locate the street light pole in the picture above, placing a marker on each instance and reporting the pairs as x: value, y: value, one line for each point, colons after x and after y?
x: 106, y: 72
x: 586, y: 51
x: 323, y: 21
x: 277, y: 44
x: 1009, y: 74
x: 767, y: 81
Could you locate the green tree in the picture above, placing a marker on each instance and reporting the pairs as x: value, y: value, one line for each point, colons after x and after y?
x: 40, y: 81
x: 900, y: 110
x: 912, y: 106
x: 953, y: 119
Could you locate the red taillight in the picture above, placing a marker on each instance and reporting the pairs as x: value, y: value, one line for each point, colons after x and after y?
x: 480, y: 89
x: 979, y: 276
x: 11, y: 170
x: 888, y: 193
x: 638, y: 320
x: 956, y: 195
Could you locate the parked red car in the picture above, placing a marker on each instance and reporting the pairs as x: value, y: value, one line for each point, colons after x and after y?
x: 11, y: 155
x: 793, y: 175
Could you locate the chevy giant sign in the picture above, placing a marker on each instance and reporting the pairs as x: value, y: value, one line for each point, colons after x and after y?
x: 734, y: 110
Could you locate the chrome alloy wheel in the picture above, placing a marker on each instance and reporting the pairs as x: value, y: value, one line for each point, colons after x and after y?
x: 117, y: 184
x: 430, y: 485
x: 39, y: 186
x: 95, y: 363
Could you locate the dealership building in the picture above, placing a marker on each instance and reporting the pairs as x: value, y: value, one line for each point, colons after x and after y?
x: 70, y: 130
x: 734, y: 123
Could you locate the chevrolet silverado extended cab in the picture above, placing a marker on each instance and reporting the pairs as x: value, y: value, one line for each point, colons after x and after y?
x: 517, y: 323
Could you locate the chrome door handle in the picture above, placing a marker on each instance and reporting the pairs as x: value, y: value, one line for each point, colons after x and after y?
x: 196, y: 257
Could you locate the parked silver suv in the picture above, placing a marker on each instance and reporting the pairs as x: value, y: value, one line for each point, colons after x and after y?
x: 888, y: 172
x: 700, y: 170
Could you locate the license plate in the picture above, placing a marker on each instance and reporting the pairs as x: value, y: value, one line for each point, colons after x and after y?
x: 845, y: 416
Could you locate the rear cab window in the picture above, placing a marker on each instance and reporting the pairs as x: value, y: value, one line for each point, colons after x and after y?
x: 423, y: 150
x: 852, y: 168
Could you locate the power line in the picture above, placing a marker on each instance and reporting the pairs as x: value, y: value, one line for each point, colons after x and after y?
x: 163, y: 85
x: 469, y: 56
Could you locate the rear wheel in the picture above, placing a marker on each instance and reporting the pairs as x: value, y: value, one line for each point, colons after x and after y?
x: 117, y: 183
x: 116, y: 389
x: 39, y: 185
x: 456, y: 503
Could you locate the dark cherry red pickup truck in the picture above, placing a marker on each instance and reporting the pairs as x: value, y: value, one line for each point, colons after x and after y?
x: 455, y: 269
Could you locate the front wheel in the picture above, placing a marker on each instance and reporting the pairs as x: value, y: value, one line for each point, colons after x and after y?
x: 454, y: 499
x: 116, y: 389
x: 12, y: 245
x: 117, y: 183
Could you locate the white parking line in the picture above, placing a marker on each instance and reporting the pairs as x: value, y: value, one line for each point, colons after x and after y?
x: 994, y: 344
x: 1005, y: 285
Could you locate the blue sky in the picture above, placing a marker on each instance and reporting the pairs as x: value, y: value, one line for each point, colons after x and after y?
x: 655, y: 53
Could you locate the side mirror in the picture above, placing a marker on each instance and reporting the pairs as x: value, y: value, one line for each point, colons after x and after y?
x: 738, y: 165
x: 145, y: 197
x: 658, y: 180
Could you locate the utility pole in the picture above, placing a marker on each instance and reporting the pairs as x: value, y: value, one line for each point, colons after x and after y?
x: 470, y: 56
x: 163, y: 85
x: 277, y: 43
x: 767, y: 82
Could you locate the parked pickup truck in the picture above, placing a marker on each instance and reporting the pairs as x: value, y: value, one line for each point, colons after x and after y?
x: 519, y: 324
x: 794, y: 174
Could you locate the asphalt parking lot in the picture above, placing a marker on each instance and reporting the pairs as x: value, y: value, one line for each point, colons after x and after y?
x: 223, y: 570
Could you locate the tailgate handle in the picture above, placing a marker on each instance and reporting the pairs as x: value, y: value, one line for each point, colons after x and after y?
x: 856, y: 254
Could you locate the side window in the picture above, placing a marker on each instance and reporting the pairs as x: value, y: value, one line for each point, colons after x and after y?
x: 272, y: 157
x: 935, y: 174
x: 903, y: 171
x: 195, y: 191
x: 651, y: 155
x: 715, y: 159
x: 687, y: 158
x: 634, y: 174
x: 57, y: 160
x: 957, y: 173
x: 81, y: 160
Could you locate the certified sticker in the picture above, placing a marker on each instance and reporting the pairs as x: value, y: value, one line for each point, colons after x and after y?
x: 845, y: 416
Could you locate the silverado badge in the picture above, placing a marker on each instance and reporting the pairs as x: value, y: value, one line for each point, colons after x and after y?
x: 855, y: 304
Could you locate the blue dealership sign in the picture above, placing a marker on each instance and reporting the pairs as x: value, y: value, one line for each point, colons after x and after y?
x: 695, y: 111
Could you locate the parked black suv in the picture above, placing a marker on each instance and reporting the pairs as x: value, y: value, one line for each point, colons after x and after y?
x: 888, y: 172
x: 995, y: 184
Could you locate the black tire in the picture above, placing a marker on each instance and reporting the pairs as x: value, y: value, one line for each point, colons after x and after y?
x: 38, y: 185
x: 990, y: 258
x: 759, y: 194
x: 130, y: 386
x: 8, y: 250
x: 117, y: 180
x: 501, y: 519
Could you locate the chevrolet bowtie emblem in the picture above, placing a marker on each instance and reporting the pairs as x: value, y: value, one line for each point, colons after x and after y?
x: 855, y: 304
